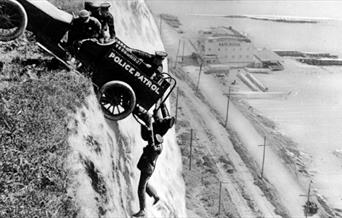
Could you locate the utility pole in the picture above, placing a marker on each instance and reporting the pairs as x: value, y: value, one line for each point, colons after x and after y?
x: 183, y: 51
x: 263, y: 157
x: 226, y: 122
x: 310, y: 207
x: 219, y: 209
x: 191, y: 133
x: 160, y: 24
x: 199, y: 77
x: 220, y: 197
x: 308, y: 199
x: 179, y: 42
x: 177, y: 95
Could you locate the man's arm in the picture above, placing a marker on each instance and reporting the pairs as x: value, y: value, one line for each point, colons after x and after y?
x: 97, y: 26
x: 111, y: 26
x: 146, y: 57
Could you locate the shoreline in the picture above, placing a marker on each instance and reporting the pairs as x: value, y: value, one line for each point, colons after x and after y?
x: 264, y: 185
x: 287, y: 150
x: 274, y: 19
x: 295, y: 160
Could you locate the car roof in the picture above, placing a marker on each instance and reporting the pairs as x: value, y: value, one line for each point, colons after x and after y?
x: 52, y: 10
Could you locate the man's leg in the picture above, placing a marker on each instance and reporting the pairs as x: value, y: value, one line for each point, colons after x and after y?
x: 144, y: 177
x: 163, y: 120
x: 167, y: 119
x: 164, y: 110
x: 146, y: 57
x: 152, y: 193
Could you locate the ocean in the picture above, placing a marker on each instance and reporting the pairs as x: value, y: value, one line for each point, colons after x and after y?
x: 323, y: 36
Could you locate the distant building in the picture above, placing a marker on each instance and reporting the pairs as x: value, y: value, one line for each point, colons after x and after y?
x: 225, y: 45
x: 267, y: 59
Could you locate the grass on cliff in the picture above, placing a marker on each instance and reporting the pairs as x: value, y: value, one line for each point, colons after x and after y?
x: 68, y: 5
x: 35, y: 104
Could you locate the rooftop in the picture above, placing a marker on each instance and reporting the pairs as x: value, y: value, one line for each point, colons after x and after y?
x: 267, y: 55
x: 222, y: 32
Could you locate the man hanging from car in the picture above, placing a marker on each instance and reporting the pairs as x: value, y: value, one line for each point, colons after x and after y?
x: 153, y: 128
x: 87, y: 26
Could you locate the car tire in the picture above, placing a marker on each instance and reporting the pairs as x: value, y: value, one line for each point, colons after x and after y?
x: 117, y: 100
x: 13, y: 20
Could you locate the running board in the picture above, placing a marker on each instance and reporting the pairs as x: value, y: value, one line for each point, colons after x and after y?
x: 55, y: 56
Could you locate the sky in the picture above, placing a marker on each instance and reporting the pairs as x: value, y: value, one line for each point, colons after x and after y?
x: 304, y: 8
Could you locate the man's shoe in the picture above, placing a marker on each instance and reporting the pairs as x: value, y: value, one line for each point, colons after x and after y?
x: 170, y: 121
x: 156, y: 200
x: 160, y: 54
x: 139, y: 214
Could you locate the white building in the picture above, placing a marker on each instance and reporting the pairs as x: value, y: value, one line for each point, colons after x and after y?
x: 225, y: 45
x: 265, y: 58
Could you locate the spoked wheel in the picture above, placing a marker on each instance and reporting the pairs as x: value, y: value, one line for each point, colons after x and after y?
x: 117, y: 100
x: 13, y: 20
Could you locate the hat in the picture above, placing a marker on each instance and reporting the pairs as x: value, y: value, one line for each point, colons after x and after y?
x: 105, y: 5
x: 88, y: 3
x: 84, y: 14
x: 161, y: 54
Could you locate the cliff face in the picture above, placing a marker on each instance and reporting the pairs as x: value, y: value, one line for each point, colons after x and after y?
x: 59, y: 157
x: 104, y: 154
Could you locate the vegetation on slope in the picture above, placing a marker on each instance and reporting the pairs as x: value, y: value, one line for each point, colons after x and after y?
x: 35, y: 104
x: 68, y: 5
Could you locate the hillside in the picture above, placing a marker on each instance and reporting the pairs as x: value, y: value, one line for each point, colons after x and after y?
x: 36, y: 99
x: 62, y: 158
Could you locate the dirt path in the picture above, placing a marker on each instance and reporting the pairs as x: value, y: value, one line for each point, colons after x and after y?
x: 236, y: 179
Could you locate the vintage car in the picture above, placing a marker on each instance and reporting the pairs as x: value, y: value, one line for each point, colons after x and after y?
x: 121, y: 80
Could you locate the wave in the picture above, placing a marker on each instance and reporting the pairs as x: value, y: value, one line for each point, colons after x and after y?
x: 272, y: 18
